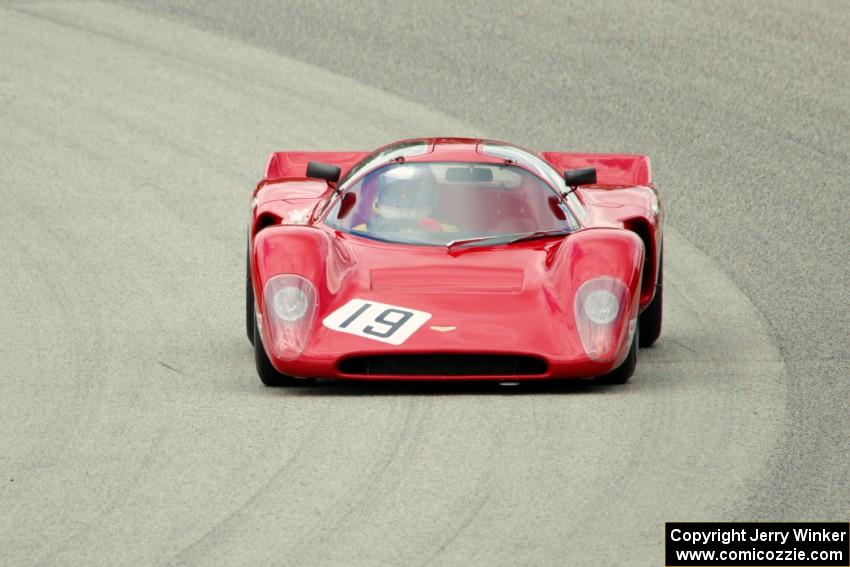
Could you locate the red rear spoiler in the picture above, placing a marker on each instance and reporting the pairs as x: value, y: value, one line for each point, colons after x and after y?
x: 611, y: 169
x: 294, y: 164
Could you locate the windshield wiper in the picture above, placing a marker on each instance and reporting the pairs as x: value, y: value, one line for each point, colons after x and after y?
x: 541, y: 234
x: 483, y: 239
x: 506, y: 238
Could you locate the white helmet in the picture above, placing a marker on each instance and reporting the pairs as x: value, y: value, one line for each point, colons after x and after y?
x: 405, y: 191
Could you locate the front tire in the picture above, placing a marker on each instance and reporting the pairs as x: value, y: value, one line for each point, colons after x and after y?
x: 249, y: 301
x: 650, y: 320
x: 268, y: 374
x: 622, y: 373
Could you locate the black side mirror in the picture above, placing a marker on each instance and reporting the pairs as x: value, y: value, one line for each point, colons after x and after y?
x: 583, y: 176
x: 326, y: 171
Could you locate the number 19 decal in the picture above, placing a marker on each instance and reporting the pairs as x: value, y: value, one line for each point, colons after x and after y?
x: 378, y: 321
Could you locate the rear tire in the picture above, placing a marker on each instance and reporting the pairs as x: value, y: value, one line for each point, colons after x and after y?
x: 650, y: 320
x: 249, y: 301
x: 268, y: 374
x: 622, y: 373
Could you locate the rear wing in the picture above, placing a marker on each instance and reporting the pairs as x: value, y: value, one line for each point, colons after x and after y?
x: 294, y: 164
x: 611, y: 169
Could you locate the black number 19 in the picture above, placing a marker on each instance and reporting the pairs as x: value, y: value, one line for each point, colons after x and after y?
x: 392, y: 318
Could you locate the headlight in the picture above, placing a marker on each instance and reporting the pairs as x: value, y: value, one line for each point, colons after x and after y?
x: 599, y: 304
x: 290, y: 308
x: 290, y: 303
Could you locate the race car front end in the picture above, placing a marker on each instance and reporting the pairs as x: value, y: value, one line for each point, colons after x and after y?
x: 559, y: 313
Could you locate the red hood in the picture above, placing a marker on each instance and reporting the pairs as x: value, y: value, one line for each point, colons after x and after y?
x: 496, y: 300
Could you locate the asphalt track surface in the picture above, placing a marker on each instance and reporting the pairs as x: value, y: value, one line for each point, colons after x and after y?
x: 133, y: 429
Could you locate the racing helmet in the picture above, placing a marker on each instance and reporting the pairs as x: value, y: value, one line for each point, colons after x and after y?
x: 406, y: 191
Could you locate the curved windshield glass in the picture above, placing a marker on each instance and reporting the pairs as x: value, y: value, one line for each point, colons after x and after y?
x: 537, y: 165
x: 439, y: 203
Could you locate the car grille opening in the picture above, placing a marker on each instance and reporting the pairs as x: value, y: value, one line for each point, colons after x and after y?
x: 443, y: 365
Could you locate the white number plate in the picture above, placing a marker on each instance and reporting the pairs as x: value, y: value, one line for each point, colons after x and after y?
x: 377, y: 321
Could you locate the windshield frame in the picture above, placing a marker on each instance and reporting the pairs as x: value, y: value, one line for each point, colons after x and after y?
x: 383, y: 156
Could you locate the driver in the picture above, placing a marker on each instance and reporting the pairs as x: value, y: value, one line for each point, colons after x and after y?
x: 405, y: 200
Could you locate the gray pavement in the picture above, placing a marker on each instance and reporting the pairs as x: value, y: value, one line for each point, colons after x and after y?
x: 133, y: 429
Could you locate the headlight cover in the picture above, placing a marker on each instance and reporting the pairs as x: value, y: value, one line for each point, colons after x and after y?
x: 290, y: 308
x: 599, y: 305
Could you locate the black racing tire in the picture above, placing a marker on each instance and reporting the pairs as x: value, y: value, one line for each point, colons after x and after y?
x: 268, y: 374
x: 622, y: 373
x: 649, y: 321
x: 249, y: 302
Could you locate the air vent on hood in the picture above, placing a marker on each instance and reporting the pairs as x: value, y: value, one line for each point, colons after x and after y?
x: 448, y: 279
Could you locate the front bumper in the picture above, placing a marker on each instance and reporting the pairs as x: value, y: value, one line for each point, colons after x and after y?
x: 443, y: 366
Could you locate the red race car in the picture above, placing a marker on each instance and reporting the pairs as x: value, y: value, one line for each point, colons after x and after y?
x: 448, y: 258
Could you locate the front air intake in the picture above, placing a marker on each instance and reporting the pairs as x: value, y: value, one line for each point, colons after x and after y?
x: 443, y: 365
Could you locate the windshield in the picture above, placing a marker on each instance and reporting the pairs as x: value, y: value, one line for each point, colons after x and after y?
x: 537, y: 165
x: 438, y: 203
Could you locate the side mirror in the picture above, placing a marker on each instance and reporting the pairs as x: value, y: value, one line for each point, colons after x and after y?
x: 583, y: 176
x: 326, y: 171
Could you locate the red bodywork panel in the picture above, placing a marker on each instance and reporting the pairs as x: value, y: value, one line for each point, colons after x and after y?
x: 282, y: 165
x: 611, y: 169
x: 505, y: 299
